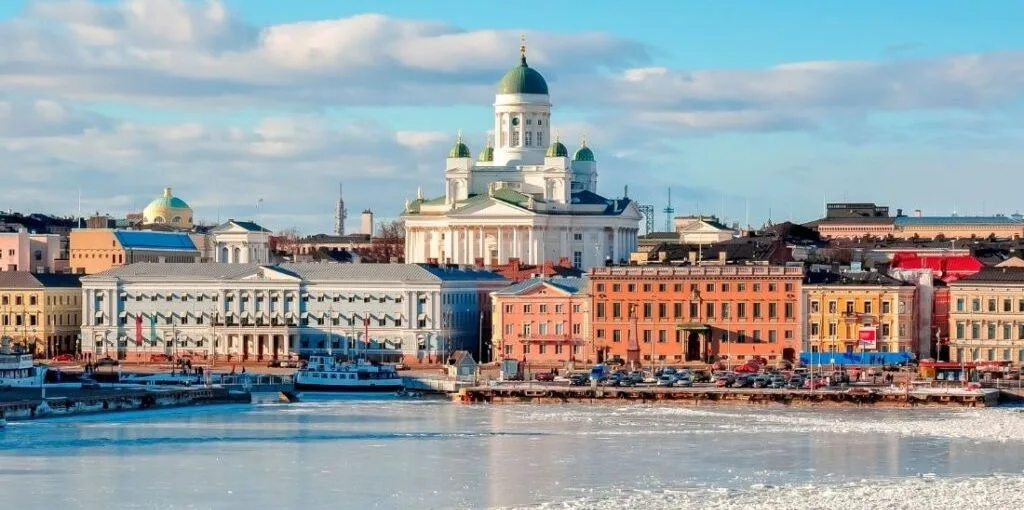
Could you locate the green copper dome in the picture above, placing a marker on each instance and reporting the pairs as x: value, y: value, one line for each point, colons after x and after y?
x: 486, y: 155
x: 557, y: 150
x: 459, y: 150
x: 522, y: 79
x: 583, y: 153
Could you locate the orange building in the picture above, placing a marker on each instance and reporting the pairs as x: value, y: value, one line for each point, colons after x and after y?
x: 542, y: 321
x: 670, y: 315
x: 94, y: 250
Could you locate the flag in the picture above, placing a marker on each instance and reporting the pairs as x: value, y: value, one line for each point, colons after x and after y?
x: 138, y: 329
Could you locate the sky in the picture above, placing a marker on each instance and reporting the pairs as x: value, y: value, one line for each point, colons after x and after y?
x: 749, y: 110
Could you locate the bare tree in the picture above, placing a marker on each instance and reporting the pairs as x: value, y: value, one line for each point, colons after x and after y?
x: 285, y: 241
x: 387, y: 246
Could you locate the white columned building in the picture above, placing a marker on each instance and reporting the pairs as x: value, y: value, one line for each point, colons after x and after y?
x: 524, y: 197
x: 252, y: 312
x: 241, y: 242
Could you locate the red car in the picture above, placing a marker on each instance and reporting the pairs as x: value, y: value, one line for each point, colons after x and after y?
x: 545, y: 376
x: 63, y: 358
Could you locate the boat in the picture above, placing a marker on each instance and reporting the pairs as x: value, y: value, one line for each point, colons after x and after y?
x: 324, y: 373
x: 17, y: 369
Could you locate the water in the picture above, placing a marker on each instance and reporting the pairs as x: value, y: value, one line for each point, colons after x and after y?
x: 364, y: 453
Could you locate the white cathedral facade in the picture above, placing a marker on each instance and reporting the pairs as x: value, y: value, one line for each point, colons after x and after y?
x: 524, y: 197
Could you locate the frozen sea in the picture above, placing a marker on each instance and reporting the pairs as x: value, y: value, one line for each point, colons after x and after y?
x: 365, y: 453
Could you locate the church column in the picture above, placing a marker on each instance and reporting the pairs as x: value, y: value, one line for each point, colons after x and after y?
x: 517, y: 249
x: 483, y: 247
x: 530, y: 253
x: 501, y: 245
x: 615, y: 245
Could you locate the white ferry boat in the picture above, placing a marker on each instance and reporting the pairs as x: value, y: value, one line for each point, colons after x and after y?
x: 323, y: 373
x: 17, y: 369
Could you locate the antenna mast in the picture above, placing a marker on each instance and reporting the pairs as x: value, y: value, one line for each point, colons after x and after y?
x: 340, y: 214
x: 669, y: 211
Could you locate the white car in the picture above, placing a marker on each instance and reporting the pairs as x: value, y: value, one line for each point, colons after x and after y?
x: 667, y: 381
x: 684, y: 380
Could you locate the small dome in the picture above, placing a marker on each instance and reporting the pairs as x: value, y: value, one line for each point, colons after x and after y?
x: 583, y: 153
x: 486, y: 155
x: 460, y: 149
x: 557, y: 150
x: 168, y: 209
x: 523, y: 79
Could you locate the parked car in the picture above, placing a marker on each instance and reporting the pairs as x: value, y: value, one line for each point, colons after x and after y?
x: 612, y: 380
x: 796, y: 382
x: 669, y: 371
x: 666, y: 380
x: 89, y: 384
x: 745, y: 381
x: 63, y: 358
x: 684, y: 380
x: 544, y: 376
x: 106, y: 362
x: 761, y: 381
x: 777, y: 381
x: 159, y: 358
x: 579, y: 380
x: 636, y: 376
x: 701, y: 376
x: 401, y: 366
x: 724, y: 381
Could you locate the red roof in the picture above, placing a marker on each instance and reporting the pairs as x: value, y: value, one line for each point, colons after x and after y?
x: 947, y: 268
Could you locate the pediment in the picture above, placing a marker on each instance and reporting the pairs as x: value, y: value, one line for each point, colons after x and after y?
x: 269, y: 273
x: 491, y: 208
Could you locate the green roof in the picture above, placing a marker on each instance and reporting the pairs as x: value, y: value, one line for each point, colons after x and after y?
x: 557, y: 150
x: 522, y: 79
x: 459, y: 150
x: 583, y: 153
x: 487, y: 155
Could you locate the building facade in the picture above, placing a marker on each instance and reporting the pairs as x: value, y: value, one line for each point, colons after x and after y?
x: 986, y: 316
x: 97, y: 250
x: 36, y: 253
x: 657, y: 315
x: 41, y: 312
x: 861, y: 311
x: 525, y: 197
x: 250, y: 312
x: 241, y: 242
x: 543, y: 321
x: 701, y: 230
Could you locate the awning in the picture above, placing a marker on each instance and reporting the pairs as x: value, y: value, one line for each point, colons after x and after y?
x: 692, y: 326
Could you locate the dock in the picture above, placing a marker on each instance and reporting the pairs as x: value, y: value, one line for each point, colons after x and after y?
x: 848, y: 397
x: 20, y: 405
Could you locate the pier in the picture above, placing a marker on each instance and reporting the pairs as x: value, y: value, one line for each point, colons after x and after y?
x: 855, y: 397
x: 31, y: 404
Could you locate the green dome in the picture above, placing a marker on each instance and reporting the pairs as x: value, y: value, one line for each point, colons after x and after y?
x: 557, y: 150
x: 522, y: 79
x: 486, y: 155
x: 583, y: 153
x: 459, y: 150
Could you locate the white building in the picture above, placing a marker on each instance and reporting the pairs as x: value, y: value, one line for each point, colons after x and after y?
x: 253, y: 312
x: 702, y: 230
x: 524, y: 197
x: 241, y: 242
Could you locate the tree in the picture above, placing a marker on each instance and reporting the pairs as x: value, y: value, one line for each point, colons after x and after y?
x: 387, y: 246
x: 285, y: 241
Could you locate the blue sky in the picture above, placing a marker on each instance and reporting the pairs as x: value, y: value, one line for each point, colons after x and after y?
x: 771, y: 107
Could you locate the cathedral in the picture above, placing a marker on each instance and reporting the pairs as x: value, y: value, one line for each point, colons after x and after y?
x: 524, y: 197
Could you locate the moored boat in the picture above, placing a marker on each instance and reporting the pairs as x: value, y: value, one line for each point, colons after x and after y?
x: 324, y: 373
x: 17, y: 369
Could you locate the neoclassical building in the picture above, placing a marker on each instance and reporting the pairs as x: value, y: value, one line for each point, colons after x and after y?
x: 241, y: 242
x: 260, y: 312
x: 524, y: 197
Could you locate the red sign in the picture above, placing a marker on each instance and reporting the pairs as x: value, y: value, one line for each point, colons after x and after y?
x: 867, y: 337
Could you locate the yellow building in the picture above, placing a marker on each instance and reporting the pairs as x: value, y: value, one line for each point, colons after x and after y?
x: 41, y: 312
x: 94, y: 250
x: 986, y: 316
x: 859, y: 311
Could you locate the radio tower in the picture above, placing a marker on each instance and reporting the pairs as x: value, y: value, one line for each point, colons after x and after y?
x: 340, y: 214
x: 669, y: 211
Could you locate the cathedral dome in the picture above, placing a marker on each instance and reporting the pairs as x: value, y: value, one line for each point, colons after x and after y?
x: 168, y: 209
x: 523, y: 79
x: 583, y: 153
x: 486, y: 155
x: 557, y: 150
x: 460, y: 149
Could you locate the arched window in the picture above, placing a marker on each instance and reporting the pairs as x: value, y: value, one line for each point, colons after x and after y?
x: 224, y: 254
x: 158, y: 219
x: 176, y: 219
x: 237, y: 252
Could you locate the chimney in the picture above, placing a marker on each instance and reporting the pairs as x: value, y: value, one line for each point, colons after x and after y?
x: 899, y: 212
x: 692, y: 257
x: 366, y: 222
x: 514, y: 263
x: 662, y: 256
x: 722, y: 256
x: 917, y: 213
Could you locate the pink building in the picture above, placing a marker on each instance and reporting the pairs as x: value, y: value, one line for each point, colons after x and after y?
x: 36, y: 253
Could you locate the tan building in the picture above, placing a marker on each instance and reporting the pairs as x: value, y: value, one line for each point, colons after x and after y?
x: 701, y: 230
x: 41, y: 313
x: 97, y: 250
x: 861, y: 311
x: 986, y: 316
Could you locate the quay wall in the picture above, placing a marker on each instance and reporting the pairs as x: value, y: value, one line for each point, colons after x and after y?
x: 131, y: 400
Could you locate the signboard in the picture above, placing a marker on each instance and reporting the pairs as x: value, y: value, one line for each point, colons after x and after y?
x: 867, y: 336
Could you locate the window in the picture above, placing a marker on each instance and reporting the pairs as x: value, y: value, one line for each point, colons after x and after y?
x: 694, y: 310
x: 616, y: 310
x: 885, y: 306
x: 526, y: 329
x: 975, y: 305
x: 577, y: 237
x: 647, y: 310
x: 662, y: 310
x: 647, y: 287
x: 1007, y: 305
x: 991, y: 330
x: 832, y: 330
x: 646, y: 334
x: 991, y: 305
x: 515, y: 138
x: 757, y: 310
x: 725, y: 287
x: 577, y: 259
x: 832, y: 307
x: 32, y: 300
x: 616, y: 335
x: 1007, y: 331
x: 741, y: 310
x: 867, y: 307
x: 789, y: 287
x: 600, y: 287
x: 526, y: 308
x: 616, y: 287
x: 741, y: 287
x: 508, y: 308
x: 710, y: 309
x: 815, y: 329
x: 677, y: 310
x: 558, y: 308
x: 757, y: 287
x: 815, y: 307
x: 576, y: 329
x: 543, y: 308
x: 975, y: 331
x: 959, y: 304
x: 849, y: 306
x: 772, y: 336
x: 772, y: 287
x: 773, y: 311
x: 599, y: 310
x: 542, y: 329
x: 788, y: 310
x: 662, y: 336
x: 559, y: 328
x: 710, y: 287
x: 725, y: 310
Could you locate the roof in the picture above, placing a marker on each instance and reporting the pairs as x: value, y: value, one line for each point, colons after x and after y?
x: 167, y: 200
x: 557, y: 150
x: 945, y: 267
x: 27, y: 280
x: 522, y: 79
x: 312, y: 271
x: 583, y: 153
x: 248, y: 225
x: 148, y: 240
x: 332, y: 239
x: 866, y: 278
x: 458, y: 357
x: 957, y: 220
x: 571, y: 285
x: 994, y: 275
